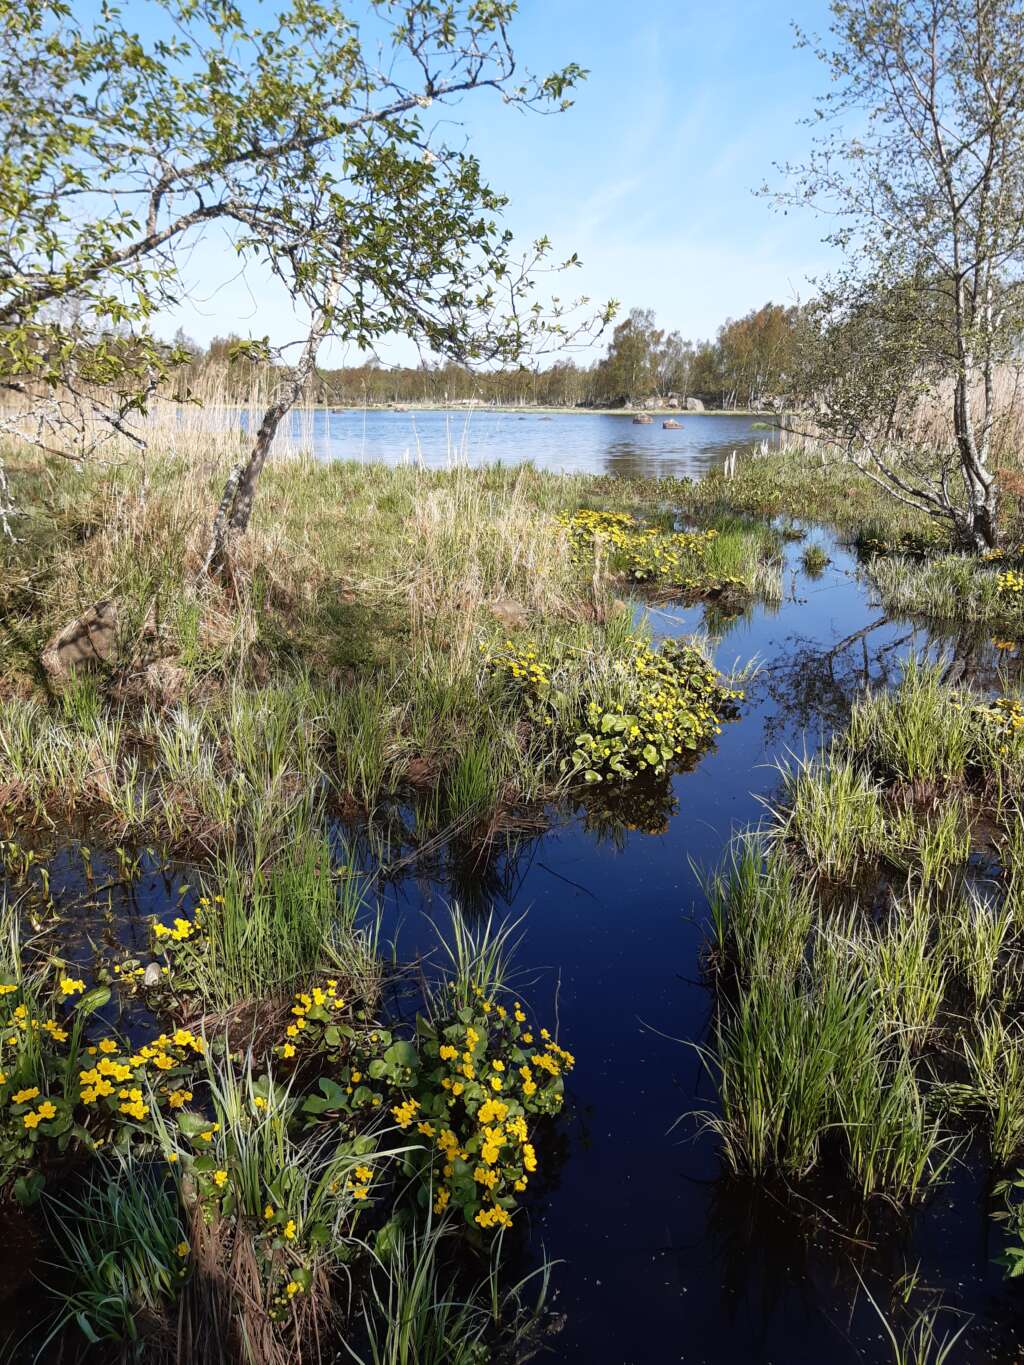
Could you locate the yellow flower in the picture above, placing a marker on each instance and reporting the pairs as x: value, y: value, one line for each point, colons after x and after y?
x: 31, y: 1119
x: 72, y: 985
x: 494, y: 1217
x: 495, y: 1082
x: 441, y: 1202
x: 292, y: 1288
x: 23, y: 1096
x: 178, y: 1098
x: 7, y: 988
x: 47, y: 1110
x: 182, y: 1249
x: 363, y: 1174
x: 289, y: 1230
x: 107, y: 1045
x: 405, y: 1112
x: 220, y: 1179
x: 448, y: 1053
x: 492, y: 1111
x: 58, y: 1034
x: 288, y: 1050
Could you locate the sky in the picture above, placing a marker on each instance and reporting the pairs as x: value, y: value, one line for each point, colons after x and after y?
x: 650, y: 177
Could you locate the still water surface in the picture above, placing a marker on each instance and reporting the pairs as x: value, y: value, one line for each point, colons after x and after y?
x: 579, y: 442
x: 664, y: 1258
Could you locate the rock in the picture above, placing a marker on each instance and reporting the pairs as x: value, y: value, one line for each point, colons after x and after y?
x: 152, y: 976
x: 512, y: 615
x: 87, y: 642
x: 694, y: 405
x: 642, y: 419
x: 672, y: 402
x: 672, y: 425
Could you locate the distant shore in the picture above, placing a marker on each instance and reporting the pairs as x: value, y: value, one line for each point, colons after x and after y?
x: 531, y: 410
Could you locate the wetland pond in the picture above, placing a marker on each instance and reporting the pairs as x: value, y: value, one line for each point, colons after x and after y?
x: 661, y: 1256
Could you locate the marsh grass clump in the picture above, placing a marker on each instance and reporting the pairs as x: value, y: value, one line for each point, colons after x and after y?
x: 423, y: 1311
x: 121, y: 1252
x: 951, y: 587
x: 814, y: 560
x: 869, y: 997
x: 833, y: 811
x: 259, y: 932
x: 923, y: 731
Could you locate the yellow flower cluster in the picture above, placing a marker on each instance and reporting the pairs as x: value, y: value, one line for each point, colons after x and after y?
x: 647, y: 554
x: 26, y: 1025
x: 47, y: 1110
x: 312, y: 1014
x: 165, y: 1053
x: 483, y: 1141
x: 656, y: 706
x: 1010, y: 583
x: 1007, y: 713
x: 359, y: 1182
x: 405, y: 1112
x: 670, y: 705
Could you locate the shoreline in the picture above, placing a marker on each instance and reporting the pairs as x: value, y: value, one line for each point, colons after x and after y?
x: 457, y: 411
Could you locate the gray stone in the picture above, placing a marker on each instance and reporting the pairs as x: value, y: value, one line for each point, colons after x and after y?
x: 152, y: 976
x: 694, y: 405
x: 89, y: 641
x: 512, y: 615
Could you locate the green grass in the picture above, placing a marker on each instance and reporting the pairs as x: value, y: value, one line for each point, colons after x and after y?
x: 957, y: 588
x: 118, y: 1244
x: 419, y: 1311
x: 273, y: 927
x: 920, y: 732
x: 857, y: 972
x: 345, y: 661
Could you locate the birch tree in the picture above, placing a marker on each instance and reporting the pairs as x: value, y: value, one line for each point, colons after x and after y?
x: 919, y: 162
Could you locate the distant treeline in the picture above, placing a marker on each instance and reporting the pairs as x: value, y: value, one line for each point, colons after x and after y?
x: 745, y: 366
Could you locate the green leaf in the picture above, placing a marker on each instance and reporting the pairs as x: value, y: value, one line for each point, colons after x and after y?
x: 28, y: 1188
x: 93, y: 1000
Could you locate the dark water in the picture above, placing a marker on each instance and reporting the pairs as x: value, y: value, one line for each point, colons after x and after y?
x: 579, y: 442
x: 663, y: 1257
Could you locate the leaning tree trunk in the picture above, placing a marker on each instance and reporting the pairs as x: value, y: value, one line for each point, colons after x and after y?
x: 235, y: 508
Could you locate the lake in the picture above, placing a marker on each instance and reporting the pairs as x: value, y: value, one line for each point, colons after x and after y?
x: 574, y: 442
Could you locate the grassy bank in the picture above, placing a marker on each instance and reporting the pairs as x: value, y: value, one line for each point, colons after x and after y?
x: 870, y: 998
x: 384, y: 631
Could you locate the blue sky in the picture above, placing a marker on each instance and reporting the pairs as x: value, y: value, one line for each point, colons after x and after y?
x: 649, y: 177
